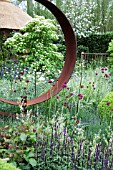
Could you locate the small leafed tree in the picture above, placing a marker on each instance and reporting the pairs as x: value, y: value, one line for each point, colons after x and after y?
x: 35, y: 46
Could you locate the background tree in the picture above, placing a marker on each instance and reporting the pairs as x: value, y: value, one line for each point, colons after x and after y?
x: 86, y: 16
x: 35, y: 46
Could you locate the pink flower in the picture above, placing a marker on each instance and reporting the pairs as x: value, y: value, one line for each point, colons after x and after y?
x: 27, y: 81
x: 67, y: 96
x: 57, y: 97
x: 14, y: 91
x: 78, y: 121
x: 64, y: 85
x: 71, y: 93
x: 108, y: 103
x: 82, y: 86
x: 96, y: 73
x: 106, y: 75
x: 110, y: 74
x: 50, y: 81
x: 106, y: 68
x: 34, y: 130
x: 112, y: 109
x: 102, y: 69
x: 21, y: 72
x: 80, y: 96
x: 65, y: 104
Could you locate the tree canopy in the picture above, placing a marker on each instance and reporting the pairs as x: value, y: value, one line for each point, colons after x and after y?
x: 35, y: 45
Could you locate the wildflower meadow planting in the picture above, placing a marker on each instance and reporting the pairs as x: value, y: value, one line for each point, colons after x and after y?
x: 73, y: 129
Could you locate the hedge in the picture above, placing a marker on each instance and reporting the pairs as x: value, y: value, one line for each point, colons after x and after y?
x: 97, y: 43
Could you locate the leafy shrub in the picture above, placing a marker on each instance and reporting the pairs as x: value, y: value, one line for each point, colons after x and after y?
x: 35, y: 45
x: 7, y: 166
x: 105, y: 107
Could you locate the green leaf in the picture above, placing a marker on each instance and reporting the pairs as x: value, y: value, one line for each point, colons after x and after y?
x: 23, y: 136
x: 31, y: 154
x: 33, y: 162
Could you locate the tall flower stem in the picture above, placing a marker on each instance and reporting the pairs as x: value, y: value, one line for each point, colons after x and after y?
x: 81, y: 77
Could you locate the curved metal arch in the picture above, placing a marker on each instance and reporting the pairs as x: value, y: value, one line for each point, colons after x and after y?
x: 70, y: 59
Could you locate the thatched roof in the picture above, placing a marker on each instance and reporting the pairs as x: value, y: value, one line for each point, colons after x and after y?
x: 11, y: 16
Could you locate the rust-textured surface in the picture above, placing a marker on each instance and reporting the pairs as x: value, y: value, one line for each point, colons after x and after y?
x: 70, y: 59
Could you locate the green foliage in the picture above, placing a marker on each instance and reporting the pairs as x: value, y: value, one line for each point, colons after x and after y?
x: 7, y: 166
x: 35, y: 46
x: 82, y: 48
x: 105, y: 107
x: 97, y: 43
x: 110, y: 50
x: 4, y: 54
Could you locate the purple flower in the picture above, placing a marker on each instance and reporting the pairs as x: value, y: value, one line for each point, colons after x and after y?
x: 78, y: 121
x: 65, y: 104
x: 102, y: 69
x: 14, y: 91
x: 80, y: 96
x: 27, y: 81
x: 64, y: 85
x: 71, y: 93
x: 106, y: 75
x: 21, y: 72
x: 50, y: 81
x: 108, y: 103
x: 57, y: 97
x: 82, y: 86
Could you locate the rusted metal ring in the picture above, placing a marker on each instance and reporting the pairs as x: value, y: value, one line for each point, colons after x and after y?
x: 70, y: 59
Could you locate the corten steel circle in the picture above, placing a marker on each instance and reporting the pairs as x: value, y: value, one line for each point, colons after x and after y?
x: 70, y: 59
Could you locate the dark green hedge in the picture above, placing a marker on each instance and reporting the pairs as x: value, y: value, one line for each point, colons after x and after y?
x: 97, y: 43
